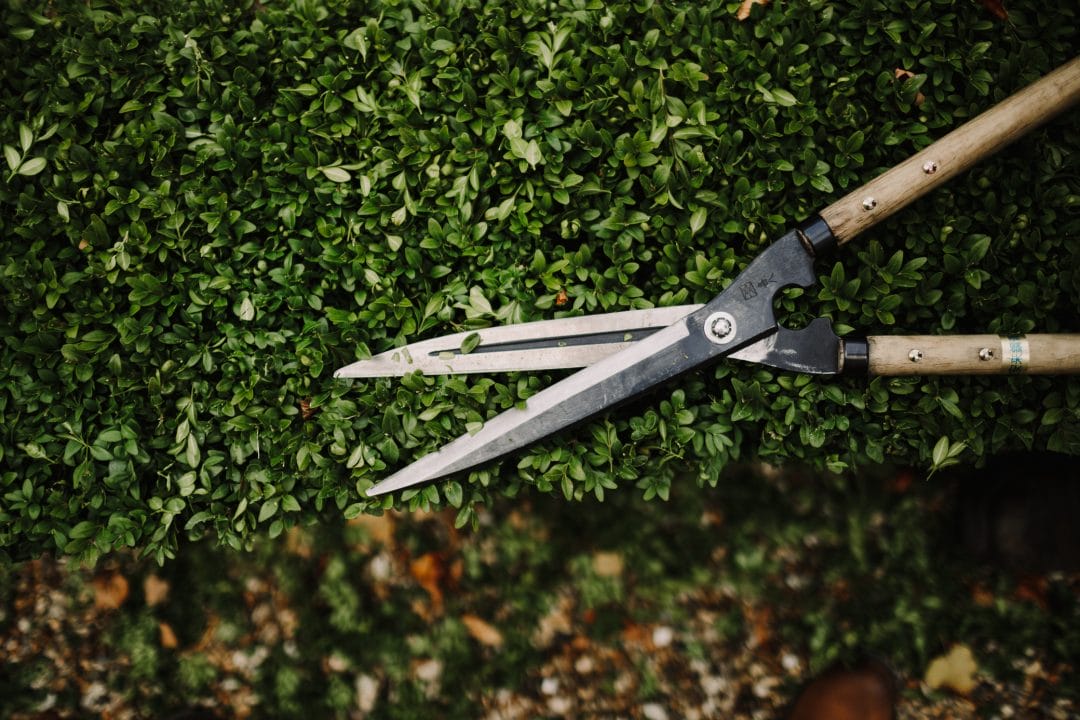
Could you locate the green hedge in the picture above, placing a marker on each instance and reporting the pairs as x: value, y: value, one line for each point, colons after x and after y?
x: 209, y: 206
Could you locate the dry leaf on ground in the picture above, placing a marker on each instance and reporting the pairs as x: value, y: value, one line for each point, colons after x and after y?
x: 167, y: 636
x: 110, y: 591
x: 155, y: 590
x: 482, y: 631
x: 955, y: 671
x: 428, y: 570
x: 379, y: 528
x: 607, y: 564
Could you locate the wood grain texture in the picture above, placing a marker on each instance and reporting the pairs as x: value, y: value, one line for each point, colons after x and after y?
x: 974, y: 354
x: 954, y: 153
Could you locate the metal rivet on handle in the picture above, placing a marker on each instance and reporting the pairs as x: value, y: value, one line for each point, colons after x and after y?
x: 986, y: 354
x: 915, y: 355
x: 869, y: 203
x: 930, y: 167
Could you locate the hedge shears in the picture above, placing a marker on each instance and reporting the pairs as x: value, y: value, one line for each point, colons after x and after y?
x: 624, y: 354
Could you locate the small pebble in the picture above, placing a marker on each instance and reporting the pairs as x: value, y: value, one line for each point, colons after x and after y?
x: 662, y: 636
x: 560, y: 705
x: 367, y: 693
x: 654, y: 711
x: 549, y: 686
x: 584, y: 665
x: 714, y: 685
x: 790, y: 662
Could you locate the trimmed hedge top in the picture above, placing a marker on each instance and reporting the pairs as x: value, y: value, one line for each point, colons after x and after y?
x: 209, y: 206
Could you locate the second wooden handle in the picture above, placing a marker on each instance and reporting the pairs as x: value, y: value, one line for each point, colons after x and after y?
x: 974, y: 354
x: 954, y: 153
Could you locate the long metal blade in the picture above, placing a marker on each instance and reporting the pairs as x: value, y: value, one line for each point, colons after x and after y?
x: 739, y: 316
x: 617, y: 377
x: 542, y: 345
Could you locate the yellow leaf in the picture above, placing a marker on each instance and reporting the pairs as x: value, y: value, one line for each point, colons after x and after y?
x: 608, y: 564
x: 955, y: 671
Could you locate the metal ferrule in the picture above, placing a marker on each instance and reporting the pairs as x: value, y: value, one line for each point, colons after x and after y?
x: 816, y: 235
x: 855, y: 356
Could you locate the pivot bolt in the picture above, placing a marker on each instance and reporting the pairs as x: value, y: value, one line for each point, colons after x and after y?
x: 915, y: 355
x: 869, y: 204
x: 986, y: 354
x: 930, y: 167
x: 720, y: 328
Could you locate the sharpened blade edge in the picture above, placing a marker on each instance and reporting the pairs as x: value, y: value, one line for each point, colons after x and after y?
x: 560, y: 405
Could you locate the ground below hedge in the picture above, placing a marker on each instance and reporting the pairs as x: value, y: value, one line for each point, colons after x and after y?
x: 719, y: 603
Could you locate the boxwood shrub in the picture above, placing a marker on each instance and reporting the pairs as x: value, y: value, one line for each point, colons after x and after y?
x: 208, y: 206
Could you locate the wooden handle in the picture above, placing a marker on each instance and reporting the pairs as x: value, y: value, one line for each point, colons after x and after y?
x: 954, y: 153
x: 974, y: 354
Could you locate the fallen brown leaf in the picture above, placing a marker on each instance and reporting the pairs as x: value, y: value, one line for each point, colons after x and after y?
x: 744, y: 10
x: 298, y: 542
x: 428, y: 570
x: 955, y: 671
x: 155, y: 590
x: 759, y: 620
x: 306, y: 411
x: 901, y: 482
x: 996, y: 8
x: 561, y: 298
x: 379, y: 528
x: 1034, y: 589
x: 482, y: 631
x: 168, y: 637
x: 110, y: 591
x: 982, y: 596
x: 637, y: 635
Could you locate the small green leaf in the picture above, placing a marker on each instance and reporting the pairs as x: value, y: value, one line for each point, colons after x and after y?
x: 32, y: 166
x: 192, y: 455
x: 454, y: 494
x: 783, y: 98
x: 532, y: 154
x: 941, y: 451
x: 268, y: 510
x: 512, y: 130
x: 13, y: 157
x: 357, y: 40
x: 83, y: 530
x: 26, y: 137
x: 478, y: 302
x: 697, y: 220
x: 336, y: 174
x: 471, y: 341
x: 198, y: 519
